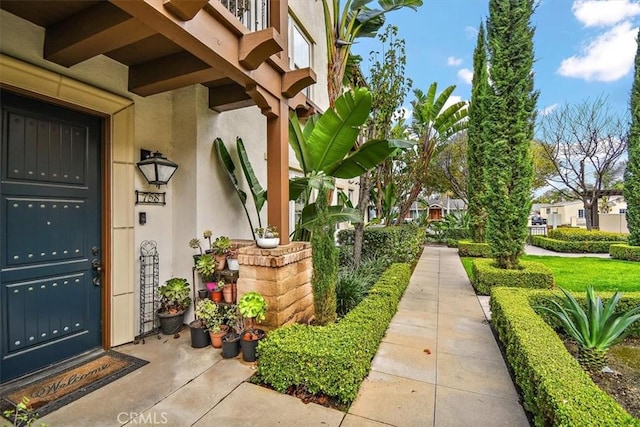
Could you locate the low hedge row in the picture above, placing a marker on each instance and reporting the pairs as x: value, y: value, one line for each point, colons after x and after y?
x: 333, y: 359
x: 625, y: 252
x: 579, y: 246
x: 556, y: 390
x: 467, y: 248
x: 397, y: 243
x: 583, y: 235
x: 532, y: 275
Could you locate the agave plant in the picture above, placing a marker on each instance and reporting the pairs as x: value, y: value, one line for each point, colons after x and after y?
x: 596, y: 329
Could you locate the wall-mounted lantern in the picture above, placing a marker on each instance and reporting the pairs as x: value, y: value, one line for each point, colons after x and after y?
x: 156, y: 168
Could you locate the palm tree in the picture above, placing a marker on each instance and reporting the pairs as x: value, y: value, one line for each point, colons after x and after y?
x: 432, y: 124
x: 344, y: 25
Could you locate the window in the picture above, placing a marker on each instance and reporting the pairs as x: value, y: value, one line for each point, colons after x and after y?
x: 581, y: 213
x: 623, y: 211
x: 351, y: 199
x: 548, y: 211
x: 299, y: 49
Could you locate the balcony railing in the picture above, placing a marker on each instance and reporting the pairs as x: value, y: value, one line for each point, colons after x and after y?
x: 254, y: 14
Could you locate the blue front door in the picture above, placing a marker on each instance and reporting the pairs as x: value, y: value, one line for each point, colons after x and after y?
x: 50, y: 249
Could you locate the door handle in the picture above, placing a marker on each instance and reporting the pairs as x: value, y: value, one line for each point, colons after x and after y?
x: 97, y: 266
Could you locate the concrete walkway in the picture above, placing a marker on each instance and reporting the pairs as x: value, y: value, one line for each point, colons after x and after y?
x: 439, y: 365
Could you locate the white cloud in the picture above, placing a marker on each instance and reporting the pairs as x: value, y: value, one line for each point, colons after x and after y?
x: 404, y: 113
x: 547, y: 110
x: 606, y: 58
x: 452, y: 61
x: 466, y: 75
x: 452, y: 100
x: 471, y: 32
x: 593, y: 13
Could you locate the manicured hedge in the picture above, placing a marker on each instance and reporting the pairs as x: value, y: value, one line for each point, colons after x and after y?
x: 625, y: 252
x: 333, y: 359
x: 556, y: 390
x: 576, y: 246
x: 581, y: 234
x: 467, y: 248
x: 398, y: 243
x: 532, y: 275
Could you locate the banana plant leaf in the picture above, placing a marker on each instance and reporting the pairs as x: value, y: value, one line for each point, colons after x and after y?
x: 229, y: 167
x: 335, y: 214
x: 337, y: 129
x: 368, y: 156
x: 299, y: 185
x: 258, y: 193
x: 297, y: 143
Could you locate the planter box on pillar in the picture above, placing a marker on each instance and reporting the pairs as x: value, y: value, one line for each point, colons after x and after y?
x: 283, y: 276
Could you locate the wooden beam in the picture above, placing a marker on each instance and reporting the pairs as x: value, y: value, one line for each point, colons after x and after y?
x: 278, y: 171
x: 269, y: 104
x: 257, y: 47
x: 91, y: 32
x: 229, y: 97
x: 169, y: 73
x: 296, y: 80
x: 185, y: 9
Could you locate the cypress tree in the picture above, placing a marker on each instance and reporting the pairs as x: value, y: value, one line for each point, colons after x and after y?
x: 632, y: 172
x: 475, y: 147
x: 511, y: 105
x: 325, y: 265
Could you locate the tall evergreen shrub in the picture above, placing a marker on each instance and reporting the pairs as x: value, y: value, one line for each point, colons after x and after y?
x: 511, y: 105
x: 476, y: 140
x: 632, y: 172
x: 325, y: 265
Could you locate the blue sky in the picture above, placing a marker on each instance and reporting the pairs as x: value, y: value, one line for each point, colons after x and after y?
x: 583, y: 48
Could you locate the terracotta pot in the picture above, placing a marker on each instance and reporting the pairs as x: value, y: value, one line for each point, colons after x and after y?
x: 227, y: 293
x: 216, y: 296
x: 221, y: 262
x: 216, y: 337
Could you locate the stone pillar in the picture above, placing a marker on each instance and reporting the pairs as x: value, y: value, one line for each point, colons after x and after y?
x: 283, y: 277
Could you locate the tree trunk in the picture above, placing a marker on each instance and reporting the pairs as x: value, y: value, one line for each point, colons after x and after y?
x: 363, y: 206
x: 406, y: 206
x: 587, y: 213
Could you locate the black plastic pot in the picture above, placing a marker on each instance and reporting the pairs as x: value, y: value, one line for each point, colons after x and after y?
x: 230, y: 345
x: 203, y: 293
x: 171, y: 323
x: 249, y: 347
x: 199, y: 335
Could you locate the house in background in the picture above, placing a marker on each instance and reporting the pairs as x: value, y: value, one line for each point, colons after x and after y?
x: 612, y: 213
x: 85, y: 86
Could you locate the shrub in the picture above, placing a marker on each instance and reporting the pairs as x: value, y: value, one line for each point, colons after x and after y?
x: 333, y: 359
x: 556, y: 390
x: 468, y: 248
x: 353, y: 284
x: 397, y: 243
x: 576, y: 246
x: 452, y: 243
x: 625, y: 252
x: 580, y: 234
x: 532, y: 275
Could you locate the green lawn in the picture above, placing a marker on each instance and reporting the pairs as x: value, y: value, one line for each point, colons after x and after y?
x: 577, y: 273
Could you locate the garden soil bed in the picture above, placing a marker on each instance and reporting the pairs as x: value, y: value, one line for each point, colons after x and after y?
x: 624, y: 383
x: 303, y: 394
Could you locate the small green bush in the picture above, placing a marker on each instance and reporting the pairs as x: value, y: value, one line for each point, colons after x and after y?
x: 583, y: 235
x: 397, y: 243
x: 575, y: 246
x: 354, y: 284
x: 452, y: 243
x: 333, y: 359
x: 555, y: 389
x: 532, y: 275
x: 467, y: 248
x: 625, y: 252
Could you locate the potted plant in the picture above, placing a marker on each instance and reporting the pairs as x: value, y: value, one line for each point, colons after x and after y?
x: 231, y: 341
x: 253, y: 308
x: 220, y: 249
x: 174, y: 299
x: 199, y: 334
x: 206, y: 267
x: 215, y: 291
x: 213, y: 317
x: 195, y: 244
x: 232, y: 259
x: 267, y: 237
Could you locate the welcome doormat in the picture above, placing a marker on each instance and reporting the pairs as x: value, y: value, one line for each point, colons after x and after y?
x: 57, y: 390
